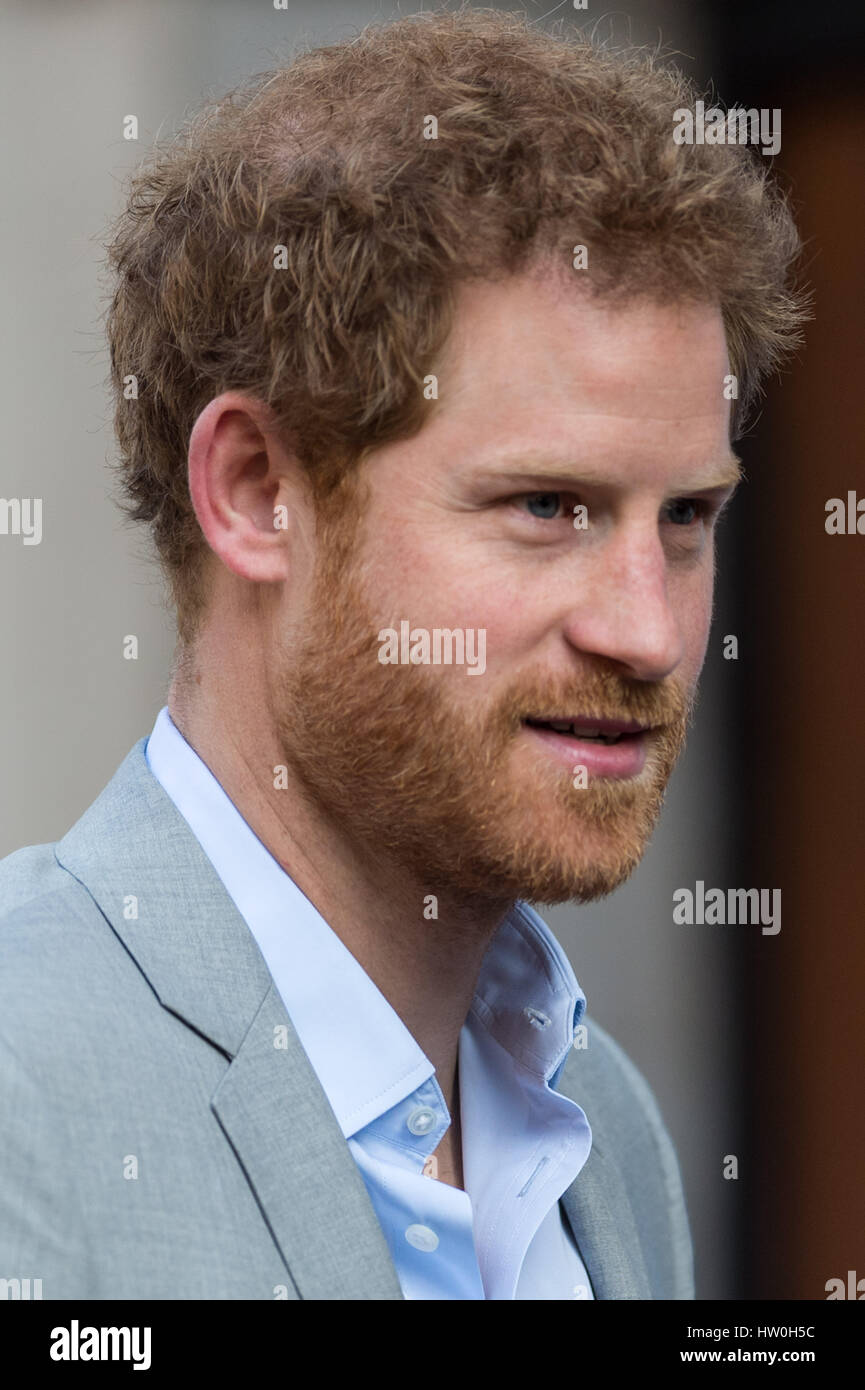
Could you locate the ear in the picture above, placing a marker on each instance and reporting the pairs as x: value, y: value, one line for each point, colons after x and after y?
x: 244, y: 484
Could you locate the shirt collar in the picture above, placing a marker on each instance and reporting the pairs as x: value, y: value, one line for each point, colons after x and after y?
x: 367, y: 1061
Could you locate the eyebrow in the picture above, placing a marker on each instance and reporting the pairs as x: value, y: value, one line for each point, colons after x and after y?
x: 550, y: 472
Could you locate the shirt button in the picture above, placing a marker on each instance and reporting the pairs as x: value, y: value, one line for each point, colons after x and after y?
x: 421, y: 1237
x: 422, y: 1120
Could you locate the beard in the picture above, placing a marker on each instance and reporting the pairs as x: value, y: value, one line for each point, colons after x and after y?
x: 418, y: 774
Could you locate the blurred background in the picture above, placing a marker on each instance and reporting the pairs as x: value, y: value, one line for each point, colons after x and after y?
x: 753, y: 1044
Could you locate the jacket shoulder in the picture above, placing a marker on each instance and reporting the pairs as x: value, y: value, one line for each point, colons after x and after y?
x: 40, y: 901
x: 62, y: 967
x: 29, y: 873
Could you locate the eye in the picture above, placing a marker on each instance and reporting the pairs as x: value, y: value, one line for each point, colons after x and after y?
x: 544, y: 505
x: 684, y: 511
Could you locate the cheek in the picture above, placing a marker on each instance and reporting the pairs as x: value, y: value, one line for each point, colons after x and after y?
x: 435, y: 588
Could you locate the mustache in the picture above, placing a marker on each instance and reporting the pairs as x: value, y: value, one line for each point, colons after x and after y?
x: 600, y: 695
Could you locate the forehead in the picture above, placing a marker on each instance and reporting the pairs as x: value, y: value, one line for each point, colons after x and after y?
x: 536, y: 350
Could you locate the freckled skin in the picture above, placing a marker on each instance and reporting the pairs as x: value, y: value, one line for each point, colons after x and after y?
x: 638, y: 393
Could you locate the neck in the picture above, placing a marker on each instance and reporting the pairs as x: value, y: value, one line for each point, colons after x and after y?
x: 425, y: 966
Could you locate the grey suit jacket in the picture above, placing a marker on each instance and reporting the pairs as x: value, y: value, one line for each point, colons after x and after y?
x: 156, y: 1143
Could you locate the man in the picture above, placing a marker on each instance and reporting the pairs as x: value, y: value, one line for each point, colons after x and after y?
x: 435, y: 337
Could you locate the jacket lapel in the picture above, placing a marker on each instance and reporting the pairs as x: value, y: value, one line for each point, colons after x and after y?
x: 277, y: 1117
x: 141, y: 863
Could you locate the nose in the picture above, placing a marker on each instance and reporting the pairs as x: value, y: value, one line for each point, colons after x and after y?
x: 622, y: 608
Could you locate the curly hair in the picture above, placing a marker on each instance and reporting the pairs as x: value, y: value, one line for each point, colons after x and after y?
x: 302, y: 240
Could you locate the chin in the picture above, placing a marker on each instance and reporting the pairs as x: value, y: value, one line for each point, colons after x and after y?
x: 582, y: 868
x: 560, y: 857
x: 582, y: 887
x: 585, y: 882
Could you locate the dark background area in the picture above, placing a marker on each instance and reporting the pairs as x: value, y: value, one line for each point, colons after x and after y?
x: 798, y: 595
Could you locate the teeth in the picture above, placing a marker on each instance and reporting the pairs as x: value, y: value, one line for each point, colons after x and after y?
x: 563, y: 726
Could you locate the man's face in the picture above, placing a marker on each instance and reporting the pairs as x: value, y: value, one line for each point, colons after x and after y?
x: 546, y: 402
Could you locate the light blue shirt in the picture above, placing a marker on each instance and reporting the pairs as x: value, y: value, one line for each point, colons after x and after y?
x: 505, y: 1236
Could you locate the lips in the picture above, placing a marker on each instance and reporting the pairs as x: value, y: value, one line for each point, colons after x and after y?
x: 605, y: 731
x: 605, y: 747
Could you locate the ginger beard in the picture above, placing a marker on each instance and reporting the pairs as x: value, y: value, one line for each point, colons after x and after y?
x: 422, y: 768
